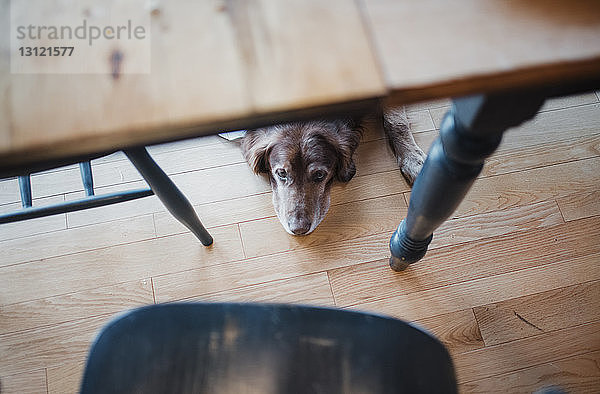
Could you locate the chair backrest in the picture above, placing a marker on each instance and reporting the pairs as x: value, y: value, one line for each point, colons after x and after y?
x: 261, y: 348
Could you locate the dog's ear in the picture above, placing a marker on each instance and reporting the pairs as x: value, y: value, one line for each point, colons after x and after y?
x: 255, y: 147
x: 346, y: 142
x: 346, y: 169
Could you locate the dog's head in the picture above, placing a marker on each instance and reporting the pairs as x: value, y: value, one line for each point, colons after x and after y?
x: 302, y: 160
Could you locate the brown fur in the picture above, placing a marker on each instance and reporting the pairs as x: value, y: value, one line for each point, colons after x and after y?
x: 303, y: 159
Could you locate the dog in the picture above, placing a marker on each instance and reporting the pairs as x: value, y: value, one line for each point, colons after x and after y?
x: 303, y: 159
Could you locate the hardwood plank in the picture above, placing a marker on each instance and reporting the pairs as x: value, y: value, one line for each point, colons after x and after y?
x: 437, y: 113
x: 428, y: 104
x: 32, y: 382
x: 372, y: 130
x: 199, y: 157
x: 129, y: 209
x: 289, y: 264
x: 32, y: 226
x: 572, y: 143
x: 49, y: 346
x: 60, y: 182
x: 368, y: 217
x: 116, y: 264
x: 310, y: 289
x: 420, y: 121
x: 537, y: 313
x: 569, y: 101
x: 118, y: 172
x: 458, y: 331
x: 486, y: 290
x: 425, y: 139
x: 530, y: 186
x: 189, y: 143
x: 580, y: 205
x: 116, y: 156
x: 503, y: 45
x: 546, y: 154
x: 550, y: 126
x: 371, y: 186
x: 63, y: 308
x: 214, y: 184
x: 9, y: 191
x: 36, y: 202
x: 490, y: 224
x: 374, y: 157
x: 200, y: 187
x: 528, y: 352
x: 65, y: 379
x: 220, y: 213
x: 577, y: 374
x: 580, y: 238
x: 467, y: 261
x: 73, y: 241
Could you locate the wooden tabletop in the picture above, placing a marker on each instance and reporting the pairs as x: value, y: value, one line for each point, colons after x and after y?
x: 439, y: 48
x: 226, y: 64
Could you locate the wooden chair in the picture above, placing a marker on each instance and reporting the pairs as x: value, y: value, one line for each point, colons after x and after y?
x: 160, y: 185
x: 257, y: 348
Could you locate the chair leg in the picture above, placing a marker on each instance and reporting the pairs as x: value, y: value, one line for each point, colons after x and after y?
x: 85, y: 168
x: 470, y: 132
x: 168, y: 193
x: 25, y: 189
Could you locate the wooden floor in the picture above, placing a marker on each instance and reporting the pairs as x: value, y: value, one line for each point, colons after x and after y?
x: 511, y: 283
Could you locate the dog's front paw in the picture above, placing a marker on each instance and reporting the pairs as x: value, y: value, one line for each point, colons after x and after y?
x: 411, y: 163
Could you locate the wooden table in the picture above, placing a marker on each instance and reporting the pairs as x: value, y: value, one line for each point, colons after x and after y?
x: 218, y: 65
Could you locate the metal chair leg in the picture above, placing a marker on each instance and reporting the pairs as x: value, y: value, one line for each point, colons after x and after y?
x: 25, y: 189
x: 85, y: 168
x: 168, y: 193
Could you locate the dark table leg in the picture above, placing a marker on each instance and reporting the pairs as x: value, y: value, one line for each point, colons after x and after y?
x: 168, y: 193
x: 470, y: 132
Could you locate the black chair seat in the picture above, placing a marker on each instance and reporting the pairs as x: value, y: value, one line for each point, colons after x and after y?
x: 257, y: 348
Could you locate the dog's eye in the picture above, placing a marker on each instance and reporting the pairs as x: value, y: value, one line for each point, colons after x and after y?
x: 318, y: 176
x: 281, y: 174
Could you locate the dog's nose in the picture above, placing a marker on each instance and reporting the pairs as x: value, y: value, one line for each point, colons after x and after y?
x: 299, y: 227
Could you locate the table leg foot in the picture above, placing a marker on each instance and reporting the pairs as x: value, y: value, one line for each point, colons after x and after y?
x: 406, y: 251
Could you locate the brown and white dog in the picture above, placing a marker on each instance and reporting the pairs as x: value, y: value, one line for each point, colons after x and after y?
x: 303, y: 159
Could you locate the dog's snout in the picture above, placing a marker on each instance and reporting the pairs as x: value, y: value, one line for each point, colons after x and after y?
x: 299, y: 226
